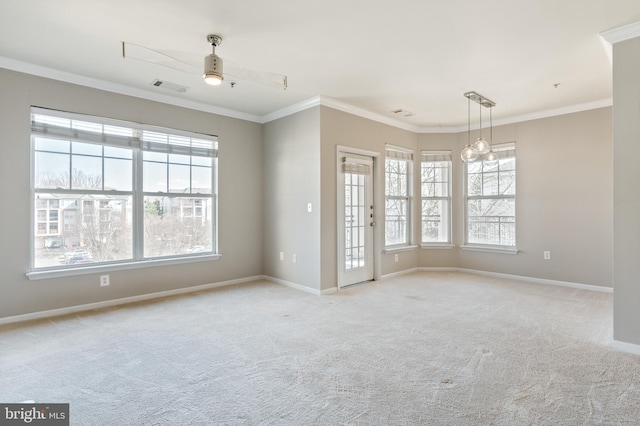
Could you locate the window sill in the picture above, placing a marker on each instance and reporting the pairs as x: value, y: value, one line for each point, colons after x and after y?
x: 388, y: 250
x: 85, y: 270
x: 436, y: 246
x: 490, y: 249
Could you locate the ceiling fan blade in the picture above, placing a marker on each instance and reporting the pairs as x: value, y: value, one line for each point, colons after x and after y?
x: 191, y: 63
x: 269, y: 79
x: 159, y: 57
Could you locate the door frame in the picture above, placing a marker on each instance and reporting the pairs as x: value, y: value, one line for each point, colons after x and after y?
x: 378, y: 211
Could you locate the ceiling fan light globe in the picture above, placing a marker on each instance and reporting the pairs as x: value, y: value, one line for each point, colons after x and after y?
x: 213, y: 79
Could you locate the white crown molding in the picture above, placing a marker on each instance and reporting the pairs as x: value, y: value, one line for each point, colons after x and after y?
x: 555, y: 112
x: 340, y: 106
x: 623, y: 33
x: 526, y: 117
x: 291, y: 109
x: 67, y: 77
x: 350, y: 109
x: 360, y: 112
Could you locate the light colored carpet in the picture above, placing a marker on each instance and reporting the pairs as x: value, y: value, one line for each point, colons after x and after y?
x: 425, y: 348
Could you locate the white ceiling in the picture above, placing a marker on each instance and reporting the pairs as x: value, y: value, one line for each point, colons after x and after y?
x: 375, y: 55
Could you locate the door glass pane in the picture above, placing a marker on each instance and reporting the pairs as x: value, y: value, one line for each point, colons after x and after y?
x: 355, y: 221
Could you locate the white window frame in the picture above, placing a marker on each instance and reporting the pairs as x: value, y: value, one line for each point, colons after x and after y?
x: 504, y: 151
x: 188, y: 144
x: 430, y: 159
x: 395, y: 153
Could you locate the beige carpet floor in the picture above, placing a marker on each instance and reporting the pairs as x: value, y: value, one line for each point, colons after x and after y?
x: 421, y: 349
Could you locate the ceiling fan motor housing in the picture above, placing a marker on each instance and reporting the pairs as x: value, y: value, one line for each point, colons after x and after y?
x: 213, y: 68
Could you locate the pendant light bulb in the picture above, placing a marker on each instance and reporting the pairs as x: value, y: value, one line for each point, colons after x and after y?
x: 468, y: 154
x: 481, y: 146
x: 491, y: 159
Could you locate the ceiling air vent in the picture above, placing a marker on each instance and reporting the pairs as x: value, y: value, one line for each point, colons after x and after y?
x: 403, y: 113
x: 170, y: 86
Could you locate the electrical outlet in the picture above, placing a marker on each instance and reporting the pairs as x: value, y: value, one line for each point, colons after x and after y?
x: 104, y: 280
x: 294, y: 258
x: 546, y: 255
x: 395, y: 257
x: 281, y: 255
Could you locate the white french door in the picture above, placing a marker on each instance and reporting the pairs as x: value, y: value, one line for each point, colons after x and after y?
x: 355, y: 219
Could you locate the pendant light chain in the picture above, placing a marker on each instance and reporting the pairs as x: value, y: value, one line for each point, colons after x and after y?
x: 490, y: 126
x: 480, y: 105
x: 468, y: 121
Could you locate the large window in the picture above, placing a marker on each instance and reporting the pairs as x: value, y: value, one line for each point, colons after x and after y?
x: 435, y: 182
x: 490, y: 199
x: 397, y: 172
x: 106, y: 191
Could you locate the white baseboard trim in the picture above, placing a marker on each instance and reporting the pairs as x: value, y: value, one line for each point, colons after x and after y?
x: 294, y: 285
x: 122, y: 301
x: 626, y: 347
x: 438, y: 269
x: 533, y: 280
x: 397, y: 274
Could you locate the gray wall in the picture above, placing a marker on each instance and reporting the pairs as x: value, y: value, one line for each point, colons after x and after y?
x: 269, y: 173
x: 291, y: 181
x: 340, y: 128
x: 564, y: 200
x: 626, y: 124
x: 240, y: 197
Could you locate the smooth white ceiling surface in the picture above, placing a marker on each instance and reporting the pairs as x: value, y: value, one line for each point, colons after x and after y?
x: 417, y: 55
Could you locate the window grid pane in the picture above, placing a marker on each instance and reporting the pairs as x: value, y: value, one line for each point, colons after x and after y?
x: 88, y: 228
x: 397, y: 201
x: 436, y: 191
x: 490, y: 203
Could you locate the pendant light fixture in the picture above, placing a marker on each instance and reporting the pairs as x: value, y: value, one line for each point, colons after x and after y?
x: 481, y: 148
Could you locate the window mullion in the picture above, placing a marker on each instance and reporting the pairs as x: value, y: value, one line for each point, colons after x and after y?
x: 138, y: 204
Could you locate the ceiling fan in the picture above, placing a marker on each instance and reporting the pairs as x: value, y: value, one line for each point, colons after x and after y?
x: 213, y: 64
